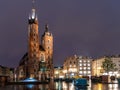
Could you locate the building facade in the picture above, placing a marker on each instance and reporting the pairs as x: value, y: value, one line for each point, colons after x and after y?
x: 84, y: 66
x: 97, y: 69
x: 58, y: 73
x: 38, y: 61
x: 77, y: 66
x: 6, y: 74
x: 70, y: 67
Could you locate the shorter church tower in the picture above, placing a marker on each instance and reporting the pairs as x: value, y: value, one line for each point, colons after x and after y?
x: 47, y: 43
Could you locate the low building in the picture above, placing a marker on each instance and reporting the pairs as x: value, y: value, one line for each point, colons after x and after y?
x: 116, y: 61
x: 58, y: 72
x: 6, y: 74
x: 0, y: 70
x: 97, y: 69
x: 77, y: 66
x: 70, y: 66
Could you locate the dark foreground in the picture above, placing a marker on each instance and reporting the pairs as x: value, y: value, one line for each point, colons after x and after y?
x: 59, y: 86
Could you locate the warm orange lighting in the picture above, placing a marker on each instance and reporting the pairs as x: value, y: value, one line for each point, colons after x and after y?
x: 100, y: 87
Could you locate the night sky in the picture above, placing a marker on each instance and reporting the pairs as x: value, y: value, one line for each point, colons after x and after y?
x: 81, y: 27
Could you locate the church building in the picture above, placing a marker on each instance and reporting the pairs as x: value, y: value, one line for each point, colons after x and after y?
x: 38, y: 61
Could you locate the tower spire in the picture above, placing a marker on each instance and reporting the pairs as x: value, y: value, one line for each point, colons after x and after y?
x: 33, y: 16
x: 46, y: 28
x: 33, y: 9
x: 33, y: 4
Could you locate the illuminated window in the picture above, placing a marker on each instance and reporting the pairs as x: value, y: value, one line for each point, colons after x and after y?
x: 88, y: 61
x: 88, y: 64
x: 84, y: 68
x: 74, y: 65
x: 80, y: 61
x: 80, y: 64
x: 84, y: 71
x: 80, y: 72
x: 88, y: 71
x: 80, y: 68
x: 88, y: 68
x: 84, y: 60
x: 84, y: 64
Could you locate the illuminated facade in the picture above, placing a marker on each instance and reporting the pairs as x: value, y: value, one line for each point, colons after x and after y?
x: 58, y: 72
x: 70, y: 67
x: 116, y: 60
x: 38, y: 61
x: 97, y: 70
x: 84, y: 66
x: 77, y: 66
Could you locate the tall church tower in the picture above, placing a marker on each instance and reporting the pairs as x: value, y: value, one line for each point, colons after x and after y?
x: 47, y: 43
x: 33, y: 44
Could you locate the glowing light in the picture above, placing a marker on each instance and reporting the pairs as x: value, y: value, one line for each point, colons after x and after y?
x: 30, y: 86
x: 33, y: 13
x: 100, y: 87
x: 56, y: 72
x: 64, y: 71
x: 30, y: 80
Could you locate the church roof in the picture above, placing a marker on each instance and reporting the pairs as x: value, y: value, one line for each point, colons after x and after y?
x: 23, y: 58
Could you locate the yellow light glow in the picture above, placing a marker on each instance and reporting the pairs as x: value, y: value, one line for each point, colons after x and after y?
x: 100, y: 87
x: 56, y: 72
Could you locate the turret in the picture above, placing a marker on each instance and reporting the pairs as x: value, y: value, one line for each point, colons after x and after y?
x: 47, y: 41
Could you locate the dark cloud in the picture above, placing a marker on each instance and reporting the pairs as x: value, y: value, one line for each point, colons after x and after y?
x: 79, y: 27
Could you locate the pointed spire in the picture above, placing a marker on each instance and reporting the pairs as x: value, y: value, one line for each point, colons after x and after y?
x: 33, y: 3
x: 33, y: 13
x: 46, y: 28
x: 33, y: 16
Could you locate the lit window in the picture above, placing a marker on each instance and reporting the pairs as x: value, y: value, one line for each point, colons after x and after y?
x: 80, y: 64
x: 84, y: 68
x: 80, y: 61
x: 88, y: 67
x: 88, y: 71
x: 88, y: 61
x: 88, y: 64
x: 70, y: 65
x: 84, y: 71
x: 74, y: 65
x: 80, y: 68
x: 84, y: 64
x: 84, y: 60
x: 80, y: 72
